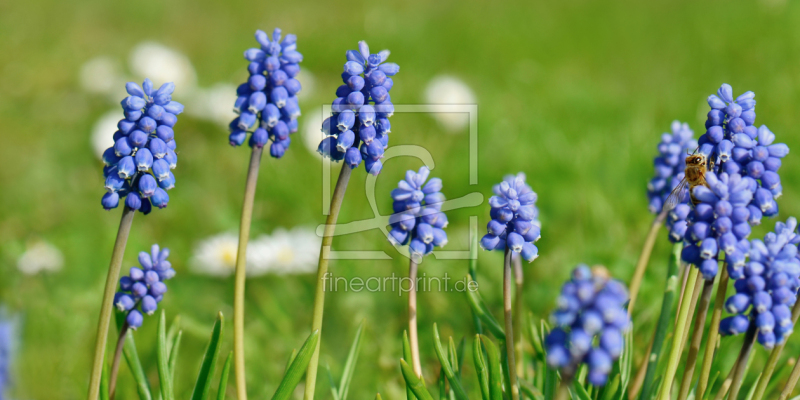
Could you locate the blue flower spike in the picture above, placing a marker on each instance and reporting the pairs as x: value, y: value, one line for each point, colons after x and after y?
x: 670, y: 164
x: 267, y: 103
x: 589, y: 324
x: 143, y: 288
x: 358, y: 129
x: 418, y: 220
x: 143, y: 152
x: 515, y: 218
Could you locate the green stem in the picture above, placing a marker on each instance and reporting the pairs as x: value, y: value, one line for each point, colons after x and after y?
x: 677, y: 337
x: 413, y: 338
x: 772, y: 361
x: 713, y: 332
x: 322, y: 271
x: 509, y: 319
x: 473, y: 273
x: 518, y: 281
x: 644, y: 258
x: 106, y: 307
x: 112, y: 386
x: 791, y: 383
x: 741, y: 363
x: 670, y: 289
x: 697, y: 339
x: 241, y: 270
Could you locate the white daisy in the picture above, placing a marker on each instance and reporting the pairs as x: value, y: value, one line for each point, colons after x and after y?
x: 444, y: 89
x: 40, y: 256
x: 216, y: 255
x: 213, y: 104
x: 103, y: 132
x: 312, y: 131
x: 162, y: 64
x: 286, y: 252
x: 101, y: 75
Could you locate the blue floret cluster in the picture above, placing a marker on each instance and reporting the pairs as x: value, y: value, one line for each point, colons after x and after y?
x: 138, y: 166
x: 669, y: 165
x: 418, y: 219
x: 359, y: 128
x: 589, y: 323
x: 267, y: 102
x: 767, y: 287
x: 142, y: 290
x: 515, y: 219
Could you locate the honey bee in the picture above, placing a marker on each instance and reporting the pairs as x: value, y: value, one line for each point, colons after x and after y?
x: 694, y: 175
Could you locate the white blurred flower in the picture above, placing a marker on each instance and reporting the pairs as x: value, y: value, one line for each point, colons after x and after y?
x: 213, y: 104
x: 286, y: 252
x: 40, y: 256
x: 312, y: 130
x: 444, y: 89
x: 101, y: 75
x: 162, y: 64
x: 103, y: 132
x: 308, y: 83
x: 216, y: 255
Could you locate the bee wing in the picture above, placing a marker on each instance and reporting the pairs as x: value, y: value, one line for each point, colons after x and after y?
x: 676, y: 196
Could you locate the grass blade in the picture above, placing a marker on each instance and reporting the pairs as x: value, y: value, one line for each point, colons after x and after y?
x: 172, y: 332
x: 579, y: 392
x: 334, y: 390
x: 163, y: 359
x: 407, y: 356
x: 202, y: 386
x: 298, y: 367
x: 350, y: 364
x: 134, y: 364
x: 480, y: 309
x: 173, y: 357
x: 378, y: 396
x: 223, y: 379
x: 291, y: 359
x: 495, y: 371
x: 455, y: 384
x: 480, y: 367
x: 413, y: 382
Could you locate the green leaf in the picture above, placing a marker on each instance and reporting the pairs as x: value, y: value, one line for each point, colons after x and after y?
x: 297, y: 369
x: 480, y: 309
x: 529, y: 390
x: 290, y: 360
x: 104, y: 382
x: 172, y: 332
x: 132, y: 359
x: 536, y: 339
x: 480, y: 367
x: 413, y: 382
x: 202, y: 387
x: 173, y: 357
x: 223, y: 379
x: 578, y: 391
x: 378, y: 396
x: 752, y: 390
x: 163, y: 359
x: 460, y: 352
x: 495, y: 371
x: 473, y: 272
x: 455, y: 384
x: 350, y: 364
x: 334, y: 390
x: 611, y: 389
x: 407, y: 356
x: 442, y: 385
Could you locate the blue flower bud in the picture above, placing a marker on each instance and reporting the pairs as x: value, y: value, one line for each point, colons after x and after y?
x: 134, y: 319
x: 172, y: 159
x: 157, y: 147
x: 138, y: 289
x: 147, y: 186
x: 123, y: 301
x: 160, y: 198
x: 149, y: 305
x: 144, y: 159
x: 167, y: 183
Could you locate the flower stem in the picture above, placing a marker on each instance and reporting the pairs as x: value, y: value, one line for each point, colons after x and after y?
x: 644, y: 258
x: 677, y: 337
x: 772, y: 361
x: 112, y: 386
x: 473, y: 273
x: 509, y: 319
x: 713, y: 332
x: 108, y: 298
x: 791, y: 383
x: 670, y: 289
x: 241, y: 270
x: 518, y: 281
x: 322, y: 270
x: 413, y: 338
x: 741, y: 364
x: 692, y: 308
x: 697, y: 339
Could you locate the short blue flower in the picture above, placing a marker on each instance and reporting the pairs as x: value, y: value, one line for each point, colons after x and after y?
x: 9, y: 326
x: 359, y: 128
x: 144, y: 148
x: 418, y: 219
x: 267, y: 103
x: 143, y: 288
x: 589, y: 324
x: 767, y: 288
x: 670, y: 164
x: 515, y: 218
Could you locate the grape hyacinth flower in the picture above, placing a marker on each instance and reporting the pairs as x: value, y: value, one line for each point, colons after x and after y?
x: 768, y: 287
x: 720, y: 222
x: 8, y: 338
x: 138, y: 166
x: 670, y: 164
x: 267, y: 103
x: 144, y: 287
x: 589, y: 324
x: 359, y: 127
x: 417, y: 220
x: 515, y: 224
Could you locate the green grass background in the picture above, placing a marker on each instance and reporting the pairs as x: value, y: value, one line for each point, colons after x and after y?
x: 574, y: 93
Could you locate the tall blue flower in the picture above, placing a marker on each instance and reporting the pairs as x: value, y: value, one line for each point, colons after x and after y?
x: 720, y: 222
x: 8, y: 338
x: 515, y: 218
x: 767, y: 287
x: 670, y: 164
x: 138, y: 166
x: 142, y: 290
x: 589, y: 323
x: 267, y: 103
x: 359, y: 127
x: 418, y: 219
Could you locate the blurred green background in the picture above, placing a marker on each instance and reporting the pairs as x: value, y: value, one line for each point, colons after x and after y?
x: 574, y: 93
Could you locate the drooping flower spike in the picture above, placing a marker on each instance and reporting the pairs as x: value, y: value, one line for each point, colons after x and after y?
x: 267, y: 103
x: 670, y: 164
x: 515, y: 218
x: 418, y: 220
x: 138, y: 166
x: 589, y: 323
x: 359, y: 128
x: 144, y: 287
x: 767, y: 287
